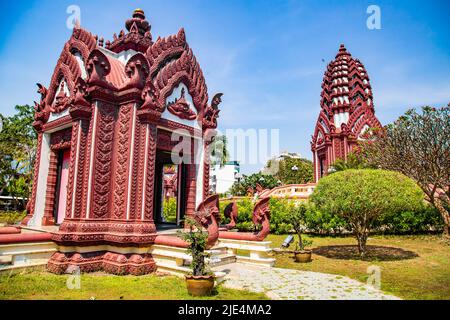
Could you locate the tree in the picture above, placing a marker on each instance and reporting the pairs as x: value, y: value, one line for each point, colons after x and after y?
x: 353, y: 161
x: 18, y: 149
x: 291, y: 170
x: 219, y: 151
x: 418, y: 145
x: 297, y: 217
x: 363, y: 197
x: 240, y: 188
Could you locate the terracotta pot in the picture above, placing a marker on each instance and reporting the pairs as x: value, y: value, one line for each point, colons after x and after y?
x: 199, y: 285
x: 303, y: 256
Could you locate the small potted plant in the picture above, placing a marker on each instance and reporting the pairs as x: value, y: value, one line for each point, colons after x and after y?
x: 297, y: 219
x: 201, y: 281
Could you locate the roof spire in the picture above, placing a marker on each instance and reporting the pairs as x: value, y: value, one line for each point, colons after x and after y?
x: 138, y: 23
x: 342, y: 51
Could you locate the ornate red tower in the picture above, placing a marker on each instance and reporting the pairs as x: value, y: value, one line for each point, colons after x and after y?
x: 346, y: 113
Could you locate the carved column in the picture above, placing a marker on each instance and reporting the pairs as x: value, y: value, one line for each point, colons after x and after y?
x: 37, y: 161
x: 149, y: 177
x: 77, y: 170
x: 48, y: 218
x: 208, y: 138
x: 122, y: 152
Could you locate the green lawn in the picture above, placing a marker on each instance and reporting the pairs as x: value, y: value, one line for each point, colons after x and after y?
x: 412, y: 267
x: 38, y: 284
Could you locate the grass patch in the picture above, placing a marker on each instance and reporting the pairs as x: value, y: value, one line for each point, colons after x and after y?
x: 40, y: 285
x: 412, y: 267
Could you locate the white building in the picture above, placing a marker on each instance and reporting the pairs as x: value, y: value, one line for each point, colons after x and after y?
x: 222, y: 178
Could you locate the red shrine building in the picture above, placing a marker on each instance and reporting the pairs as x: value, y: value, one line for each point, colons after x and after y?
x: 105, y: 134
x: 347, y: 111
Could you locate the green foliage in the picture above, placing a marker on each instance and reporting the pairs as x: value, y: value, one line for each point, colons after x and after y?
x: 170, y: 209
x: 17, y: 149
x: 219, y: 151
x: 423, y: 220
x: 363, y: 197
x: 291, y: 170
x: 266, y: 181
x: 418, y: 145
x: 297, y: 218
x: 196, y: 239
x: 279, y: 215
x: 11, y: 217
x: 354, y: 161
x: 38, y: 284
x: 322, y: 222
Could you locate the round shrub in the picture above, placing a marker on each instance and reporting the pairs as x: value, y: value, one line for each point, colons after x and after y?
x: 363, y: 197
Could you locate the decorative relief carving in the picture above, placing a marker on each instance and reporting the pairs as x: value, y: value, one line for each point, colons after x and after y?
x: 181, y: 108
x: 137, y: 70
x: 102, y: 175
x: 122, y: 160
x: 212, y: 113
x: 61, y: 100
x: 150, y: 178
x: 78, y: 192
x: 61, y: 139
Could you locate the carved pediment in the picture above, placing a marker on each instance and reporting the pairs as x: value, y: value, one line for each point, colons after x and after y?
x: 181, y: 107
x: 62, y: 99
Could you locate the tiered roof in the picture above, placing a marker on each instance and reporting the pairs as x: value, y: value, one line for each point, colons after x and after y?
x: 346, y: 99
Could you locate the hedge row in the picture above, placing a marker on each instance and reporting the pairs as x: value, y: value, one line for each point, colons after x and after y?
x: 11, y: 217
x: 425, y: 220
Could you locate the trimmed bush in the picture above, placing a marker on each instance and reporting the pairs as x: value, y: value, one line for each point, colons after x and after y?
x: 364, y: 197
x: 11, y: 217
x: 170, y: 209
x: 413, y: 222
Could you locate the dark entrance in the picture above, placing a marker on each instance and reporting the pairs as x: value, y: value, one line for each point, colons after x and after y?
x: 170, y: 190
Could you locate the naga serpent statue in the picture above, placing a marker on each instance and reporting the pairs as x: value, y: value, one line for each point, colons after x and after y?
x: 261, y: 216
x: 207, y: 214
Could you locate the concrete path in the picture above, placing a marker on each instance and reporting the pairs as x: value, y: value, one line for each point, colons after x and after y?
x: 291, y: 284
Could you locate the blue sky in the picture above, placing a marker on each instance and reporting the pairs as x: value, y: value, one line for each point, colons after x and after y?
x: 265, y: 56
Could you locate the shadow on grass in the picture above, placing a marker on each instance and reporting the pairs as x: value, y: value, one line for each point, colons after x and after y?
x: 350, y: 252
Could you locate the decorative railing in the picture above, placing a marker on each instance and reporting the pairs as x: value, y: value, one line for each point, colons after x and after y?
x: 290, y: 191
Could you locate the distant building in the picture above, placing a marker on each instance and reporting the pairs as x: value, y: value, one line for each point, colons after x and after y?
x: 272, y: 166
x: 285, y: 155
x: 222, y: 178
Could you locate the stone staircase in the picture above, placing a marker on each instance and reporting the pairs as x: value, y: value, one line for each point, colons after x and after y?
x: 19, y: 255
x: 176, y: 261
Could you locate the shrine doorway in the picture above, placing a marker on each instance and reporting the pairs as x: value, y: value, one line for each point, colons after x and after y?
x: 62, y: 178
x: 170, y: 191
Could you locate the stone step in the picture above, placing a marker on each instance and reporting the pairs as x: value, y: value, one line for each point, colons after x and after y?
x: 6, y: 260
x: 4, y: 267
x: 25, y: 254
x: 221, y: 259
x: 181, y: 271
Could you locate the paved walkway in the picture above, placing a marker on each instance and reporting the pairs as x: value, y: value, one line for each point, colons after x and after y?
x: 297, y: 285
